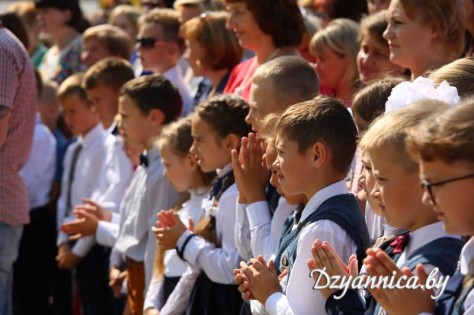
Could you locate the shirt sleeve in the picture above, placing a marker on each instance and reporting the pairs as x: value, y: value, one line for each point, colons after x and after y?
x: 83, y: 246
x: 154, y: 294
x: 260, y: 222
x: 107, y: 233
x: 115, y: 176
x: 217, y: 263
x: 9, y: 76
x: 242, y: 232
x: 300, y: 297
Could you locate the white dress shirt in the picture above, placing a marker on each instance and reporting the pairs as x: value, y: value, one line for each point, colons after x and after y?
x: 265, y: 232
x: 38, y: 172
x: 300, y: 298
x: 467, y: 266
x: 375, y: 223
x: 148, y: 193
x: 102, y: 173
x: 217, y: 263
x: 174, y: 266
x: 176, y: 77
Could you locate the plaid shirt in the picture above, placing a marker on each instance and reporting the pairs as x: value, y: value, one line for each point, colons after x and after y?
x: 17, y: 92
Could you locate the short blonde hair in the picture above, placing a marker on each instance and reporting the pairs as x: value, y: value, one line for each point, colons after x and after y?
x: 117, y: 42
x: 391, y: 130
x: 221, y: 45
x: 448, y: 18
x: 448, y: 137
x: 459, y: 73
x: 341, y: 36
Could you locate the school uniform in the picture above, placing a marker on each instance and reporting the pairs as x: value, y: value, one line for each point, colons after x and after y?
x: 262, y: 226
x: 318, y: 221
x: 265, y: 231
x: 174, y: 267
x: 431, y: 246
x: 148, y: 193
x: 214, y: 291
x: 95, y: 167
x: 458, y: 297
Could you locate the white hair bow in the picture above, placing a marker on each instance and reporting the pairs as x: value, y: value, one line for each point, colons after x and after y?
x: 407, y: 93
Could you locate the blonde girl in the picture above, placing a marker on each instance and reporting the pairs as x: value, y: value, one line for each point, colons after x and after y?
x: 182, y: 171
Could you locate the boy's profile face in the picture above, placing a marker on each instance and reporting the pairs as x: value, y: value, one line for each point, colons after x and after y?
x: 294, y: 169
x: 368, y: 183
x: 261, y: 104
x: 105, y: 100
x: 270, y: 157
x: 80, y: 117
x: 397, y: 191
x: 210, y: 151
x: 134, y: 124
x: 452, y: 201
x: 94, y: 50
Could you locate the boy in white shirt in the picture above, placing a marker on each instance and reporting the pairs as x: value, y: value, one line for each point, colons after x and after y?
x: 315, y: 141
x: 95, y: 166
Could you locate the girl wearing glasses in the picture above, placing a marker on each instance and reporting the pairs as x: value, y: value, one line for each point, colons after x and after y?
x: 268, y: 28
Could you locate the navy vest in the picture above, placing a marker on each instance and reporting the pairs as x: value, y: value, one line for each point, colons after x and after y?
x: 342, y: 210
x: 442, y: 253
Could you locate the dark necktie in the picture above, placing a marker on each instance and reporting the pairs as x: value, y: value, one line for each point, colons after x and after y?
x: 144, y: 160
x: 400, y: 243
x: 221, y: 184
x: 72, y: 170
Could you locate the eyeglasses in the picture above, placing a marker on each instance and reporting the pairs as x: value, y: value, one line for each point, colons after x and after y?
x: 428, y: 187
x: 148, y: 42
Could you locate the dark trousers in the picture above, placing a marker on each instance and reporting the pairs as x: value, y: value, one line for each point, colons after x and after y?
x: 92, y: 279
x: 34, y: 269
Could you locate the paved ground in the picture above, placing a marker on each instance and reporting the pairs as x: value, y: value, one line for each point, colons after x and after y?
x: 88, y: 6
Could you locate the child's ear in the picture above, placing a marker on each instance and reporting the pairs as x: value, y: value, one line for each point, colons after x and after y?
x: 191, y: 159
x: 320, y: 154
x: 156, y: 117
x: 231, y: 142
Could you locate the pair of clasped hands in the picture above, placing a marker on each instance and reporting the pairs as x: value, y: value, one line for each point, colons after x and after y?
x: 258, y: 280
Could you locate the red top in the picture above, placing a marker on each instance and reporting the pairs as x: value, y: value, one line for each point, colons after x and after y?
x: 240, y: 78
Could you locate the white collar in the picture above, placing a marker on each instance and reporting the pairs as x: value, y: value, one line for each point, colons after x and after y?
x: 338, y: 188
x: 424, y: 235
x: 199, y: 193
x: 97, y: 133
x: 467, y: 257
x: 221, y: 172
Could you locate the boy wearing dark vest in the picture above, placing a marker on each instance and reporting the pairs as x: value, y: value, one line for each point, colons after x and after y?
x: 399, y: 194
x: 316, y: 141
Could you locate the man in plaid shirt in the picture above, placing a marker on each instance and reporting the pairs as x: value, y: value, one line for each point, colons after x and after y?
x: 18, y: 101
